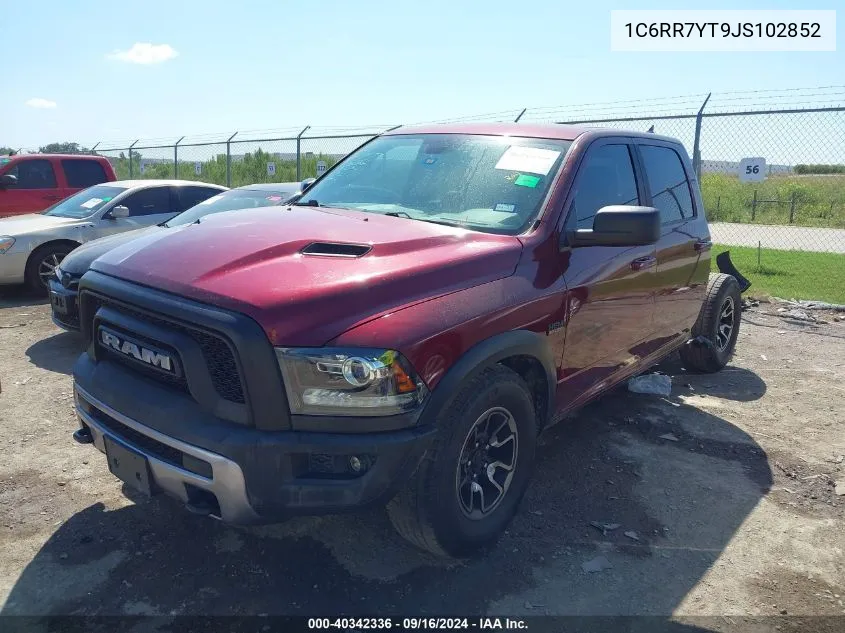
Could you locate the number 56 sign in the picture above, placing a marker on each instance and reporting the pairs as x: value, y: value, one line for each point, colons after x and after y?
x: 752, y: 169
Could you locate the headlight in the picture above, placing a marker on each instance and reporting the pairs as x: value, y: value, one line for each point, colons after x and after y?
x: 335, y: 381
x: 6, y: 243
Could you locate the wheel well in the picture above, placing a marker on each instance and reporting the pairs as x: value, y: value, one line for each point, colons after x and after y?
x: 72, y: 244
x: 532, y: 372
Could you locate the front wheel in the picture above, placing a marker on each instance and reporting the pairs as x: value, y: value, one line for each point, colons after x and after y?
x: 469, y: 484
x: 42, y: 264
x: 717, y: 327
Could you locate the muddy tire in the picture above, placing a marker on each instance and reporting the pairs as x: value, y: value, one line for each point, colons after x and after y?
x: 715, y: 331
x: 470, y: 482
x: 42, y: 263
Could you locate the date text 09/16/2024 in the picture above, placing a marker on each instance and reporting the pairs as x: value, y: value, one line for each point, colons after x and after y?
x: 416, y: 624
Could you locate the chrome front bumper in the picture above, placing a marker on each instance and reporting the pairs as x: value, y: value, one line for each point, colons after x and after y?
x: 227, y: 482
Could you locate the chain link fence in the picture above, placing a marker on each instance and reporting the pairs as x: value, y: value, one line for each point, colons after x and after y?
x: 798, y: 203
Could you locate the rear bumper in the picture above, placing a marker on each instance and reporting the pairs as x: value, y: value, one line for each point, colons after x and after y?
x: 245, y: 475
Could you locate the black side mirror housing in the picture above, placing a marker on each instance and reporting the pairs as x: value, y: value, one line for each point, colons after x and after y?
x: 619, y: 225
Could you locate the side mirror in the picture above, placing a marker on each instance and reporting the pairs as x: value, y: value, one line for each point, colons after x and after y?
x: 8, y: 180
x: 306, y: 183
x: 618, y: 225
x: 118, y: 212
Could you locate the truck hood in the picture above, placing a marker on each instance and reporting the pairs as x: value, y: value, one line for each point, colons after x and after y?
x: 79, y: 260
x: 20, y: 225
x: 253, y: 262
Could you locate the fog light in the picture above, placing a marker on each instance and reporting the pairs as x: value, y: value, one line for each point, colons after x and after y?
x: 355, y: 464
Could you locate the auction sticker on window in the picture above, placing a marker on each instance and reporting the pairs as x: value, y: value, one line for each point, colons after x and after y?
x: 91, y: 203
x: 530, y: 159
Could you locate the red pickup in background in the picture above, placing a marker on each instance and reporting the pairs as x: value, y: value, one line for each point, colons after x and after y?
x: 30, y: 183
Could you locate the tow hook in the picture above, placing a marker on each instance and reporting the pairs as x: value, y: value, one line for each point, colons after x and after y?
x: 83, y: 435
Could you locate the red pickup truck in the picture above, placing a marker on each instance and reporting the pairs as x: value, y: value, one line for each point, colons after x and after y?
x: 402, y: 332
x: 30, y: 183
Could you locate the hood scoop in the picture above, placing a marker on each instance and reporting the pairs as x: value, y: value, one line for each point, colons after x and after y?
x: 336, y: 249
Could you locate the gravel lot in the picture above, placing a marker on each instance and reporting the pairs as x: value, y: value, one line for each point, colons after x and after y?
x: 724, y: 496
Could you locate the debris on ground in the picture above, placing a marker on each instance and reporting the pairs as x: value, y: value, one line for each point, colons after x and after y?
x: 632, y: 535
x: 763, y: 356
x: 811, y: 305
x: 655, y: 384
x: 599, y: 563
x: 839, y: 487
x: 604, y: 527
x: 670, y: 437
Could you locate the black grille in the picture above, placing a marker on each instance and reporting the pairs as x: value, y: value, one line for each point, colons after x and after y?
x: 216, y: 352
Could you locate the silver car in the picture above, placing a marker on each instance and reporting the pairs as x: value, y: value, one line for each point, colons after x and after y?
x: 31, y: 246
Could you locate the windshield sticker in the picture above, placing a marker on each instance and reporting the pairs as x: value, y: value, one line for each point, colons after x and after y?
x: 274, y: 198
x: 524, y: 180
x: 532, y: 159
x: 430, y: 160
x: 507, y: 208
x: 107, y: 199
x: 90, y: 204
x: 3, y: 161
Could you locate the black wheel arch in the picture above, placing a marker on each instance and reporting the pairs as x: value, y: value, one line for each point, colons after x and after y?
x: 528, y: 353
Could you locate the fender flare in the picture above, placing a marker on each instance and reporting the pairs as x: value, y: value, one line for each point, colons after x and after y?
x: 488, y: 353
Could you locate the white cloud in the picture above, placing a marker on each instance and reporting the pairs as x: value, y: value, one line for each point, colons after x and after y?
x: 145, y: 53
x: 38, y: 102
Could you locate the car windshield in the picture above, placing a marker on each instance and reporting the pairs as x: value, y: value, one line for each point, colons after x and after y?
x: 494, y: 184
x: 234, y: 199
x: 86, y: 202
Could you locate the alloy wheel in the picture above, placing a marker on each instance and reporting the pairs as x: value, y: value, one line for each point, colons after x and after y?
x: 487, y: 463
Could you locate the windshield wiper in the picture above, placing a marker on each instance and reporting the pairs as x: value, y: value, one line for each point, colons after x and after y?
x: 399, y: 214
x: 310, y: 203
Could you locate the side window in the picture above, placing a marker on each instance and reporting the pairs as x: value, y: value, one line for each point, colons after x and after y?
x: 34, y: 173
x: 148, y: 202
x: 605, y: 178
x: 81, y: 173
x: 667, y: 180
x: 192, y: 196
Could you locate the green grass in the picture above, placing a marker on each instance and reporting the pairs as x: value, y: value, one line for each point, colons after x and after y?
x: 789, y: 274
x: 819, y: 200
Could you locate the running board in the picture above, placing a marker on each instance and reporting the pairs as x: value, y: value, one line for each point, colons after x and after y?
x: 726, y: 266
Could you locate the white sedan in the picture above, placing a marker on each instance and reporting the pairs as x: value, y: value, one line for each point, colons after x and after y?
x: 31, y: 246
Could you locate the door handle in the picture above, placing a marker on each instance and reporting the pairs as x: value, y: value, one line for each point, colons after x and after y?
x: 642, y: 263
x: 702, y: 245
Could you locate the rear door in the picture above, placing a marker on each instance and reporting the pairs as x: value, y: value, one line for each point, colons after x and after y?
x: 192, y: 195
x: 610, y: 289
x: 36, y: 189
x: 147, y: 207
x: 81, y: 173
x: 681, y: 276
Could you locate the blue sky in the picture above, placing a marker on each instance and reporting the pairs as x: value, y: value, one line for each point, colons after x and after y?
x: 268, y: 64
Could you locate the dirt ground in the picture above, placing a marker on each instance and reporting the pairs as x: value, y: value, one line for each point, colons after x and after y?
x: 717, y: 501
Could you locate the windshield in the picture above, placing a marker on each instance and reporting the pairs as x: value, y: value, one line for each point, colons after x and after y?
x: 86, y: 202
x: 494, y: 184
x: 234, y: 199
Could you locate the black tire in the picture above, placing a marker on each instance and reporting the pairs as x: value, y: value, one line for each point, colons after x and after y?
x: 712, y: 345
x: 42, y: 259
x: 431, y: 511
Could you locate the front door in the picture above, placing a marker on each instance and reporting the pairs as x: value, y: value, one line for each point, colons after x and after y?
x: 610, y: 289
x: 36, y: 189
x: 147, y: 207
x: 683, y: 262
